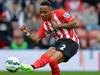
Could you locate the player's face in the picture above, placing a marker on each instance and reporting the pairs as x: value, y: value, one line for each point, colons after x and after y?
x: 45, y: 12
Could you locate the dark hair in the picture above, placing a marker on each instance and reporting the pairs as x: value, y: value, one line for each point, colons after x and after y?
x: 45, y: 3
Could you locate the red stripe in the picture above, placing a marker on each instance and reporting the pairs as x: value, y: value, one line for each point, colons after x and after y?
x: 63, y: 33
x: 48, y: 27
x: 71, y: 33
x: 76, y: 38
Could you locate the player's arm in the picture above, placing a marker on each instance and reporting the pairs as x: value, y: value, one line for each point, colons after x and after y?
x: 70, y: 22
x: 69, y: 25
x: 34, y: 36
x: 74, y: 23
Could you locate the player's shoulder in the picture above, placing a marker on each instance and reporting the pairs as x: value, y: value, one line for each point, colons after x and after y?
x: 60, y: 10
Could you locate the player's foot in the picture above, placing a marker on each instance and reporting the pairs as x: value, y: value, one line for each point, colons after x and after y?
x: 26, y: 67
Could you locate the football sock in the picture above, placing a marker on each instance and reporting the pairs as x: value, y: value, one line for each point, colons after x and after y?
x: 41, y: 62
x: 54, y: 67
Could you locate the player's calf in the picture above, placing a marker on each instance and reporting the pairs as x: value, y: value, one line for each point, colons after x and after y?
x: 54, y: 67
x: 54, y: 60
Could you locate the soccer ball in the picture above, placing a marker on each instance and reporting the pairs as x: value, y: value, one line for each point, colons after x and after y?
x: 12, y: 64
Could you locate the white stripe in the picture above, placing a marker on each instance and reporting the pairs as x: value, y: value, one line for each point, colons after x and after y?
x: 74, y: 33
x: 73, y: 38
x: 51, y: 28
x: 66, y: 33
x: 65, y: 30
x: 58, y: 22
x: 45, y: 27
x: 76, y: 36
x: 56, y: 19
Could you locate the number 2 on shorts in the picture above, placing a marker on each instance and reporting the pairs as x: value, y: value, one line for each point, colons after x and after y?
x: 62, y: 47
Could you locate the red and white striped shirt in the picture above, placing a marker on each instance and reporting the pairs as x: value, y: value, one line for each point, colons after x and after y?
x: 60, y: 16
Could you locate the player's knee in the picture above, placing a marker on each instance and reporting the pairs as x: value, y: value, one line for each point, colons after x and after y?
x: 57, y: 55
x: 51, y: 51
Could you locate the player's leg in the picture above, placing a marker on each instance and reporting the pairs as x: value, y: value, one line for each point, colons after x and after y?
x: 44, y: 59
x: 64, y: 51
x: 54, y: 62
x: 66, y: 48
x: 61, y: 60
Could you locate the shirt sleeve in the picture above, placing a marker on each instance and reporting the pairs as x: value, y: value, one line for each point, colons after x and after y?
x: 41, y: 32
x: 66, y: 16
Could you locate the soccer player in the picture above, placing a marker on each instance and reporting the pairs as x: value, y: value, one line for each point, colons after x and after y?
x: 62, y: 25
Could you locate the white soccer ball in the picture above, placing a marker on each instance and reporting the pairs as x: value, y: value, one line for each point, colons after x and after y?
x: 12, y: 64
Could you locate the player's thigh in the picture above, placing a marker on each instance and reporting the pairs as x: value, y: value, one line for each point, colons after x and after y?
x: 50, y: 51
x: 68, y: 48
x: 61, y: 60
x: 57, y: 55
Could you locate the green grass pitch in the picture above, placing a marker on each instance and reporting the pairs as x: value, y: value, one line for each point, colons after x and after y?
x: 49, y: 73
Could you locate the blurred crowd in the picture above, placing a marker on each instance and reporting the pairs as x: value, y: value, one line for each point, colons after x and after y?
x: 15, y: 13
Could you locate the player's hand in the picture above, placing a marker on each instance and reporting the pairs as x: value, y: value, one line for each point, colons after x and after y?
x: 24, y: 29
x: 54, y: 24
